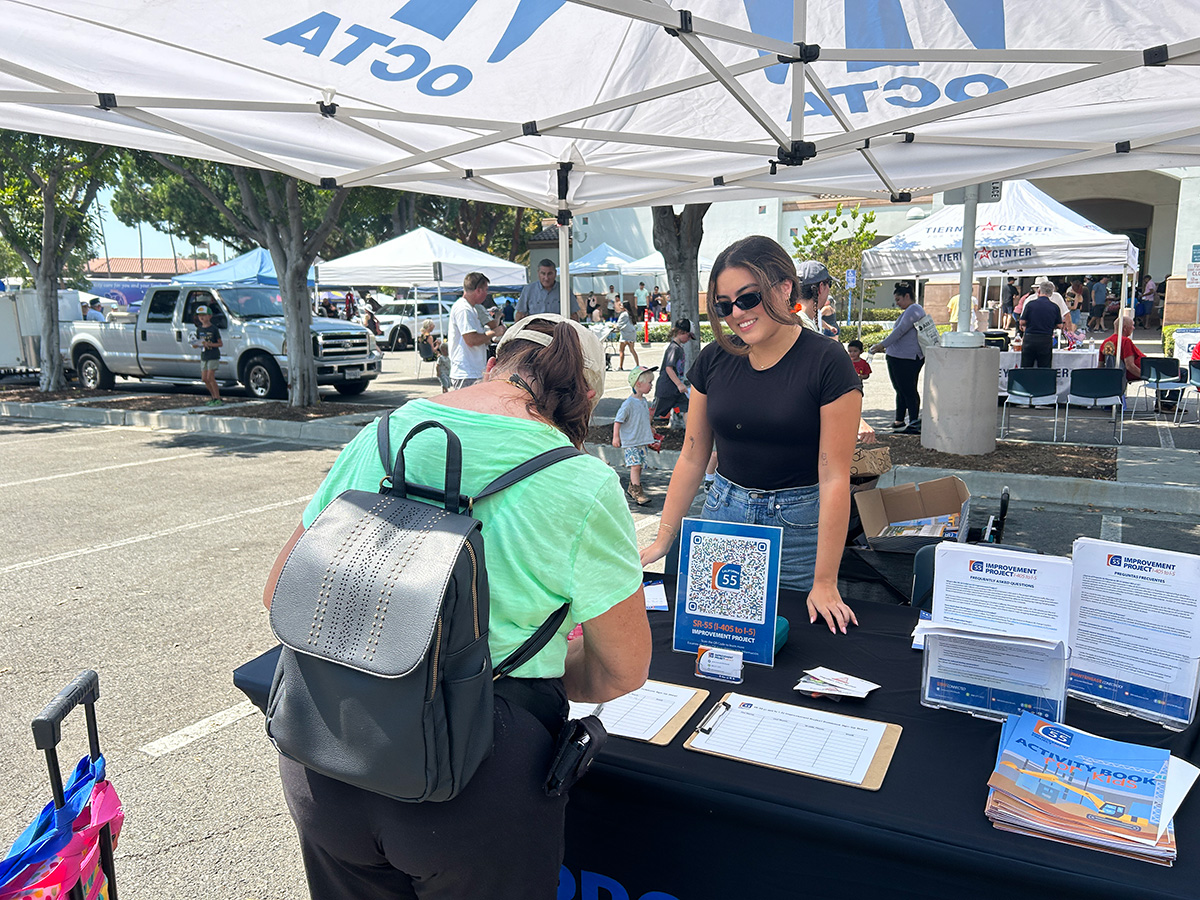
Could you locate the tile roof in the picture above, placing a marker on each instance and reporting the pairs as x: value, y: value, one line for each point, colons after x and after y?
x: 102, y: 267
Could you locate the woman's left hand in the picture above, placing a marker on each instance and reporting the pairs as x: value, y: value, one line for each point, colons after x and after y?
x: 824, y: 600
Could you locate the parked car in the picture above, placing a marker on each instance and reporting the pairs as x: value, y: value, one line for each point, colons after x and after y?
x: 401, y: 320
x: 158, y: 343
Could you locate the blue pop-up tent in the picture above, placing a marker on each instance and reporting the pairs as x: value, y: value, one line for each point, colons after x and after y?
x: 254, y: 267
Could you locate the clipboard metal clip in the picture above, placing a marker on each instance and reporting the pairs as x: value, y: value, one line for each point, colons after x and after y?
x: 709, y: 722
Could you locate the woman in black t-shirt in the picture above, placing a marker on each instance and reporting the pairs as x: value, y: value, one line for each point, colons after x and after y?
x: 783, y: 405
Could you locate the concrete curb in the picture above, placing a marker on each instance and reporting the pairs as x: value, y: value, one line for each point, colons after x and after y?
x: 1050, y: 490
x: 332, y: 430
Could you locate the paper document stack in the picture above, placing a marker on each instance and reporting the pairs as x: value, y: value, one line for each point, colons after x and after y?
x: 834, y: 684
x: 1062, y: 784
x: 932, y: 526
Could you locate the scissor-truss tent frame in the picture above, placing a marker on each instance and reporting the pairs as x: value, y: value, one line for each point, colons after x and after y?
x: 583, y: 105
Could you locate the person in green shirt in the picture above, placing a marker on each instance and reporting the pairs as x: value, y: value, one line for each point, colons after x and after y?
x: 562, y: 535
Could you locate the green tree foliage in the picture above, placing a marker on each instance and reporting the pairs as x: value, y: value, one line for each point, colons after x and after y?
x: 838, y: 239
x: 11, y: 265
x: 47, y: 186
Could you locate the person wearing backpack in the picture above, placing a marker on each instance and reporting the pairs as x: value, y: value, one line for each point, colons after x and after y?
x: 905, y: 359
x: 562, y: 535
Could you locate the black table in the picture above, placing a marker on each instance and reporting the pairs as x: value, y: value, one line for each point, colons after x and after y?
x: 655, y: 823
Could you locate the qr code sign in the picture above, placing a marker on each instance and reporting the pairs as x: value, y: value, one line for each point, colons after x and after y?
x: 727, y: 577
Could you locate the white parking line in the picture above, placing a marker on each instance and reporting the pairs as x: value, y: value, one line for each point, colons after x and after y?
x: 1110, y: 528
x: 92, y: 429
x: 203, y: 728
x: 128, y: 465
x: 124, y: 542
x: 1166, y: 440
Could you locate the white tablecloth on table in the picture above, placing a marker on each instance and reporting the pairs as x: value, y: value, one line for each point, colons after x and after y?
x: 1063, y: 360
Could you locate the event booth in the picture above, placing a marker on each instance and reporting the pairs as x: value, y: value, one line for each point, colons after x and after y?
x: 255, y: 267
x: 1026, y: 233
x: 602, y: 262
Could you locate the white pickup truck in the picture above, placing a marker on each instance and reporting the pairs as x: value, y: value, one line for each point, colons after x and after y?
x: 157, y: 343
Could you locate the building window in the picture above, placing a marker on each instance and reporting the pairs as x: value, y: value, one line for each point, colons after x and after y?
x: 762, y: 210
x: 583, y: 220
x: 794, y: 232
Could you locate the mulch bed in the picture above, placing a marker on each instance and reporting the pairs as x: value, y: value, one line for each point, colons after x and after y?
x: 1061, y: 460
x: 27, y: 394
x: 281, y: 412
x: 156, y: 402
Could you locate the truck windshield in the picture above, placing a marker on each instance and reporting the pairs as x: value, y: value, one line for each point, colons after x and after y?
x: 253, y: 302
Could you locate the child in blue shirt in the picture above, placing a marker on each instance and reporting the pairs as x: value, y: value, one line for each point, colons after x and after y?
x: 632, y: 431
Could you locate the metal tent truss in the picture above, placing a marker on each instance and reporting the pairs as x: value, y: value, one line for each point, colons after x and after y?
x: 245, y: 108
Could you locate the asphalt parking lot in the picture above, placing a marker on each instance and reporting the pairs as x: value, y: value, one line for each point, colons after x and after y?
x: 142, y: 554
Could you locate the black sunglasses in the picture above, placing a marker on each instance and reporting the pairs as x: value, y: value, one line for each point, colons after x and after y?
x: 749, y: 300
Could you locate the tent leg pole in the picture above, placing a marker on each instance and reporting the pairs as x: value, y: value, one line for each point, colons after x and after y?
x: 565, y: 297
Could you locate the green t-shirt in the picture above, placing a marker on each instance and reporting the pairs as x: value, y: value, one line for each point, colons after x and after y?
x: 562, y: 534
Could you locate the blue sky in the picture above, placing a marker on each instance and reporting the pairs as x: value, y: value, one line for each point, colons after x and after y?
x: 123, y: 240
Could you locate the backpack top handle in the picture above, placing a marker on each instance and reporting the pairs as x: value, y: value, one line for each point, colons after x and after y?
x: 451, y: 496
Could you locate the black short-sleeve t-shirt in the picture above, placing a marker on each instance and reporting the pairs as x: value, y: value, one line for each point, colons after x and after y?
x: 767, y: 424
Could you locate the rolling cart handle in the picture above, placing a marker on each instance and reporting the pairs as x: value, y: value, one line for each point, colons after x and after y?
x: 47, y: 727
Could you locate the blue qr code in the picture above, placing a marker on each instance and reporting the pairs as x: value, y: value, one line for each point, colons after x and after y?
x: 727, y: 577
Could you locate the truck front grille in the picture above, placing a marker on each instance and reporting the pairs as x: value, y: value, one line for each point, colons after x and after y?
x: 334, y: 346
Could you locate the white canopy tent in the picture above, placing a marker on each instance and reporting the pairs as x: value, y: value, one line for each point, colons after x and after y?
x: 417, y: 258
x: 751, y: 99
x: 1026, y: 233
x: 655, y: 266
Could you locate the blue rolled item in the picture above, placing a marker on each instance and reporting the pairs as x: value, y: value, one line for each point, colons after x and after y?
x: 782, y: 626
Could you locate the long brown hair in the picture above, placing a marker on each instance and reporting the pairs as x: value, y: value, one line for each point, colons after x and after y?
x: 554, y: 375
x: 770, y: 265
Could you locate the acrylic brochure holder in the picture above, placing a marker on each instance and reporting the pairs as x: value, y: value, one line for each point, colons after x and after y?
x: 994, y: 676
x: 1169, y: 702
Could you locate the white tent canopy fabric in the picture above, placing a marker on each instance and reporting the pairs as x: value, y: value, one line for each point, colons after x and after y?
x: 604, y: 260
x: 710, y: 100
x: 418, y: 258
x: 1025, y: 233
x: 654, y: 264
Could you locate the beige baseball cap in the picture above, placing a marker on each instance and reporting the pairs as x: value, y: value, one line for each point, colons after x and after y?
x: 593, y: 350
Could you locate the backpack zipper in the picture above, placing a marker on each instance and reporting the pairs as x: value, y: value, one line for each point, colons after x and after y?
x: 437, y: 645
x: 474, y: 592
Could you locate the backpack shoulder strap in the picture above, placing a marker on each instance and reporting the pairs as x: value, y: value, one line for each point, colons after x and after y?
x: 533, y: 645
x: 525, y: 469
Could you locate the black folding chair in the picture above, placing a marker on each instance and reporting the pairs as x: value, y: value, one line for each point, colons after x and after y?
x: 1028, y: 388
x: 1094, y: 388
x: 1160, y: 374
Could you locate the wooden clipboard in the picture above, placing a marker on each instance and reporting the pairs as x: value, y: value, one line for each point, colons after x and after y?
x: 667, y: 733
x: 872, y: 781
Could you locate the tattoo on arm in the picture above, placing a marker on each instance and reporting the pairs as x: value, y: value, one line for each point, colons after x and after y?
x: 692, y: 442
x: 824, y: 458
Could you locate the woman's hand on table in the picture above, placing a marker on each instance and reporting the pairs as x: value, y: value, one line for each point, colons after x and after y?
x: 658, y: 549
x: 825, y: 601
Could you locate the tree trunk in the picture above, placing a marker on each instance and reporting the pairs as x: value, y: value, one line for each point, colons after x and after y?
x: 677, y: 238
x: 52, y: 376
x: 302, y: 370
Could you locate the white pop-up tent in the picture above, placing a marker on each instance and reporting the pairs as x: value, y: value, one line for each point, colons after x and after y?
x: 1025, y: 233
x: 655, y: 266
x: 417, y: 258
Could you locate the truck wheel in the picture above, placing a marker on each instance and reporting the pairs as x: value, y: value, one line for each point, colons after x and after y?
x: 263, y: 379
x: 401, y: 339
x: 93, y: 373
x: 351, y: 388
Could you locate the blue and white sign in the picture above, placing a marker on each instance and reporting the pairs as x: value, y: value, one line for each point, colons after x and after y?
x: 728, y: 588
x: 851, y: 278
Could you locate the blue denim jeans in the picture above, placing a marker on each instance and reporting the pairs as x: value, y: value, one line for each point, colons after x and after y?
x: 795, y: 510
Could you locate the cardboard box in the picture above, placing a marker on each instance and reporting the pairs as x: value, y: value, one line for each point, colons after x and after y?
x: 881, y: 507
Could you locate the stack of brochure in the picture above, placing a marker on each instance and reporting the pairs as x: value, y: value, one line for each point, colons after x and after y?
x: 1066, y: 785
x: 931, y: 526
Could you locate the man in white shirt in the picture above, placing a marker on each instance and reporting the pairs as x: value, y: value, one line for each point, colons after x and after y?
x: 469, y: 337
x: 95, y: 313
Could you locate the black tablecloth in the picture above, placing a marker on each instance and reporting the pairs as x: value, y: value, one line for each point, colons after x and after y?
x: 664, y: 822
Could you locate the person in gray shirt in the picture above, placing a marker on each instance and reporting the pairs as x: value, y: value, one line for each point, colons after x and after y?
x: 905, y: 359
x: 542, y: 296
